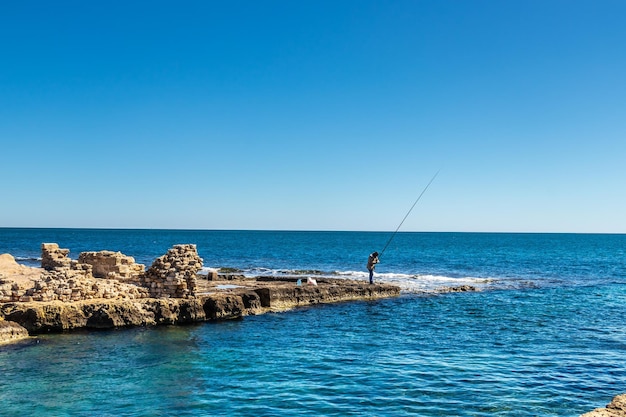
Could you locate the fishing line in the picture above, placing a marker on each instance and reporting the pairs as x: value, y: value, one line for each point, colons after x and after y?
x: 409, y: 212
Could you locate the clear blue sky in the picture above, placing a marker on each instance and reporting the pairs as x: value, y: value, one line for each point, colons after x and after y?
x: 322, y: 115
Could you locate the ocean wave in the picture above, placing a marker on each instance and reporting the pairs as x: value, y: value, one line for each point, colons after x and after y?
x: 408, y: 283
x: 31, y: 261
x: 28, y: 259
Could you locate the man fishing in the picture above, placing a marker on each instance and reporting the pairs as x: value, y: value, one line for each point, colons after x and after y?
x: 372, y: 260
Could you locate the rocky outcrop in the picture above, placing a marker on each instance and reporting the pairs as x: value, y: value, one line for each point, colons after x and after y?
x: 217, y: 303
x: 11, y: 332
x: 15, y: 279
x: 175, y: 273
x: 460, y: 288
x: 102, y: 314
x: 108, y: 289
x: 286, y: 296
x: 616, y: 408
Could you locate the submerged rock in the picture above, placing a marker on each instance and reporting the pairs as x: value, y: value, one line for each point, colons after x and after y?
x: 460, y: 288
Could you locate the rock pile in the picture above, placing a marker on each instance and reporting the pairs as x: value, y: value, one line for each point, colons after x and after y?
x: 67, y: 286
x: 174, y: 274
x: 65, y: 279
x: 52, y: 257
x: 105, y: 274
x: 108, y: 264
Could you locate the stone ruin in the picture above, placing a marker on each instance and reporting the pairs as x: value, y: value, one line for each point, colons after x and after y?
x: 54, y: 258
x: 65, y: 279
x: 175, y: 273
x: 111, y: 275
x: 108, y: 264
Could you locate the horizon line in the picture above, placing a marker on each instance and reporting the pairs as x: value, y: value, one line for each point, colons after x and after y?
x: 299, y: 230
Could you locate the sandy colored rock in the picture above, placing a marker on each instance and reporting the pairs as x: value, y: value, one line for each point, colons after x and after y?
x: 53, y: 257
x: 220, y: 300
x: 109, y: 264
x: 616, y: 408
x: 11, y: 332
x: 65, y: 295
x: 175, y: 273
x: 15, y: 279
x: 10, y: 270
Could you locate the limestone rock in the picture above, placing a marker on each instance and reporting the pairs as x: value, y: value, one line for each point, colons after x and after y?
x: 39, y: 317
x: 175, y: 273
x: 109, y: 264
x: 224, y: 306
x: 460, y: 288
x: 52, y: 257
x: 11, y: 332
x: 616, y: 408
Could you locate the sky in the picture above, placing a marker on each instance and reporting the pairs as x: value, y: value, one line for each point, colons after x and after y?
x: 314, y: 115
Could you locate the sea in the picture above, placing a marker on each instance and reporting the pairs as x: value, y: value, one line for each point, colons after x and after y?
x: 543, y: 335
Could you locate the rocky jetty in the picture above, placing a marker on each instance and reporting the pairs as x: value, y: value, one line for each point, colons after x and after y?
x: 616, y: 408
x: 221, y: 300
x: 108, y: 289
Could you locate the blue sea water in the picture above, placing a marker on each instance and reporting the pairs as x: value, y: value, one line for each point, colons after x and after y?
x: 544, y: 336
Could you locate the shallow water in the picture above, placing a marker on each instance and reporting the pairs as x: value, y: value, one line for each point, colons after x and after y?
x: 515, y: 353
x: 548, y: 340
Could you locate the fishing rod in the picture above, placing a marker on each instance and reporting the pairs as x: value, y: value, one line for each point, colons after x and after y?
x: 409, y: 212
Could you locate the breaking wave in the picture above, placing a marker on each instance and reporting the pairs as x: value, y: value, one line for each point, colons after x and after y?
x: 409, y: 283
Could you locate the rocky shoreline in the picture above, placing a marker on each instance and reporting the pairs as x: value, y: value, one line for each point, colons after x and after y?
x: 616, y: 408
x: 223, y: 300
x: 103, y: 290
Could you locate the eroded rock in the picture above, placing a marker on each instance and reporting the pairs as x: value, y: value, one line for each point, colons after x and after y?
x: 616, y: 408
x: 11, y: 332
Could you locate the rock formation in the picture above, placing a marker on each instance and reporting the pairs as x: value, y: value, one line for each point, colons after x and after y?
x: 53, y: 257
x: 108, y: 289
x: 104, y: 274
x: 218, y: 303
x: 15, y: 279
x: 64, y: 279
x: 11, y: 332
x: 616, y: 408
x: 175, y: 273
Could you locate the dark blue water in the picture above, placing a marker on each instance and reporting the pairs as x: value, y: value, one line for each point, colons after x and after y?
x: 544, y: 337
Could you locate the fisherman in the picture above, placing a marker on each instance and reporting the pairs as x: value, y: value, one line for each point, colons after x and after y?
x: 372, y: 260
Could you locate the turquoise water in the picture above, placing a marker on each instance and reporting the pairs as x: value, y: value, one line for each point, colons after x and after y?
x: 545, y: 336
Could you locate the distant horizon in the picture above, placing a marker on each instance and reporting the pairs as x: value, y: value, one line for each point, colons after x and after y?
x: 310, y: 231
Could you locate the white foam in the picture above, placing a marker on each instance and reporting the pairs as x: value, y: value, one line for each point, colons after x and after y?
x: 418, y: 283
x: 408, y: 283
x: 227, y: 286
x: 205, y: 270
